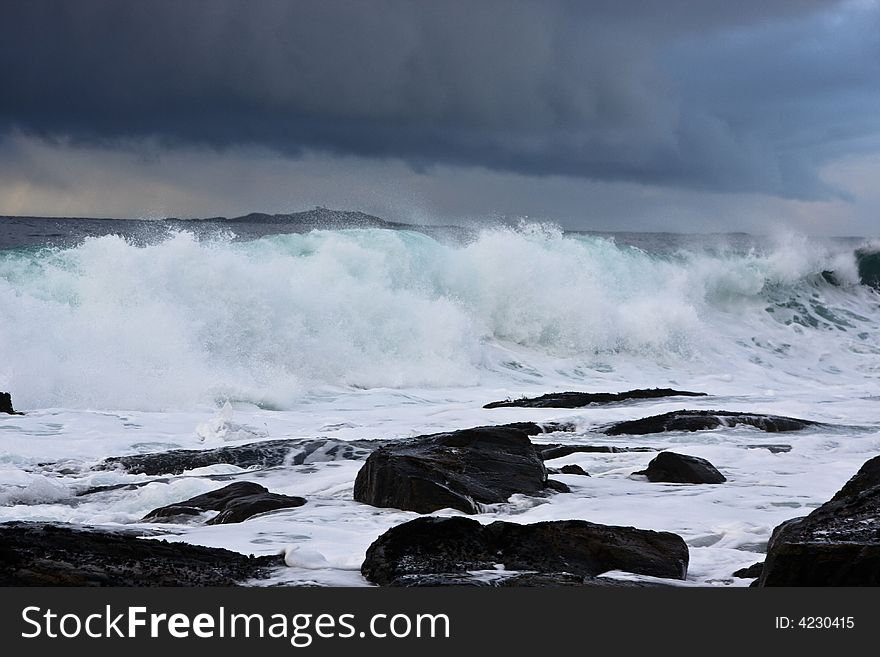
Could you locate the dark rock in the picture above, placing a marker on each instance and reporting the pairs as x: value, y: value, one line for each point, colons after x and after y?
x: 573, y: 469
x: 235, y: 502
x: 516, y: 580
x: 838, y: 544
x: 681, y: 469
x: 6, y: 404
x: 751, y: 571
x: 558, y: 486
x: 455, y: 546
x: 581, y: 399
x: 266, y: 454
x: 549, y: 427
x: 458, y: 470
x: 40, y: 554
x: 97, y: 490
x: 686, y: 420
x: 492, y: 580
x: 549, y: 452
x: 773, y: 449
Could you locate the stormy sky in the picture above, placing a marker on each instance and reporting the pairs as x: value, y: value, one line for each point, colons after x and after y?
x: 685, y: 115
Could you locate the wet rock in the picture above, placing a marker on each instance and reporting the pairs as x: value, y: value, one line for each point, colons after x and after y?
x: 549, y: 452
x: 455, y: 546
x: 687, y: 420
x: 750, y: 572
x: 838, y: 544
x: 458, y: 470
x: 97, y: 490
x: 266, y: 454
x: 235, y: 503
x: 41, y: 554
x: 6, y: 404
x: 773, y: 449
x: 681, y: 469
x: 581, y: 399
x: 516, y: 580
x: 573, y: 469
x: 558, y: 486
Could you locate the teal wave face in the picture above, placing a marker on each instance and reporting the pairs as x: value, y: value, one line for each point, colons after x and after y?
x: 869, y: 267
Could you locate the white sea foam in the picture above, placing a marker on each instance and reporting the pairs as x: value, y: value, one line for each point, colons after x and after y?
x: 297, y: 557
x: 222, y: 428
x: 18, y: 487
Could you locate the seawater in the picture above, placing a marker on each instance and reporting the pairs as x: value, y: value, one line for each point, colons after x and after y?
x: 152, y: 336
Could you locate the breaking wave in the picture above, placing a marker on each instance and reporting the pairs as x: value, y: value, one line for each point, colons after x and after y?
x: 188, y: 321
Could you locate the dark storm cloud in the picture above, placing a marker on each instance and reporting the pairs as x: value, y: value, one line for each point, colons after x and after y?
x: 604, y: 90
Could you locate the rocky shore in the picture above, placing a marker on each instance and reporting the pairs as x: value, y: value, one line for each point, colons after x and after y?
x: 466, y: 471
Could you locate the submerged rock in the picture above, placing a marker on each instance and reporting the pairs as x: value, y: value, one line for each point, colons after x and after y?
x: 573, y: 469
x: 838, y: 544
x: 458, y: 470
x: 580, y: 399
x: 681, y: 469
x: 773, y: 449
x: 266, y: 454
x: 235, y: 502
x: 433, y: 547
x: 42, y: 554
x: 6, y: 404
x: 687, y: 420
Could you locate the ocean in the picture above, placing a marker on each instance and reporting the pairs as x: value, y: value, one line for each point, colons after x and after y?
x: 127, y: 337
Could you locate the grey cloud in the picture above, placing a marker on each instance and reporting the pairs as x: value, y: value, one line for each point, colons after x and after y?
x: 538, y: 88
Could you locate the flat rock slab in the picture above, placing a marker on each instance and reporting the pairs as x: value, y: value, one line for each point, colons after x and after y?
x: 266, y: 454
x: 457, y: 470
x: 838, y: 544
x: 773, y: 449
x: 681, y: 469
x: 687, y: 420
x: 434, y: 546
x: 549, y: 452
x: 581, y: 399
x: 235, y: 503
x: 40, y: 554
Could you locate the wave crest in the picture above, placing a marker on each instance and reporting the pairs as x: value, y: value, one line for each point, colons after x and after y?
x: 110, y: 324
